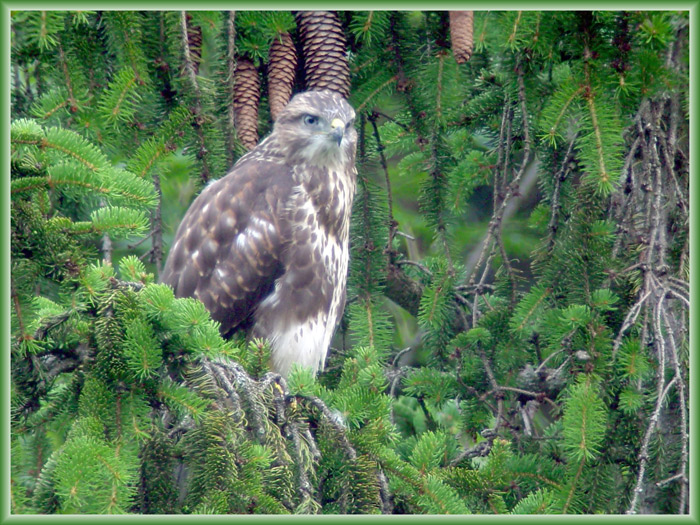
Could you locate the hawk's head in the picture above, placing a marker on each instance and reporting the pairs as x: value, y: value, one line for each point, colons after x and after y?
x: 318, y: 128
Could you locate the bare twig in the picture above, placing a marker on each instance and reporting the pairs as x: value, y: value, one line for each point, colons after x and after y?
x: 663, y: 482
x: 509, y: 269
x: 550, y: 356
x: 680, y: 385
x: 481, y: 449
x: 479, y: 286
x: 107, y: 248
x: 555, y: 205
x: 392, y: 224
x: 494, y: 385
x: 384, y: 493
x: 140, y: 241
x: 512, y: 188
x: 680, y: 297
x: 629, y: 321
x: 52, y: 322
x: 654, y: 419
x: 501, y: 147
x: 405, y: 235
x: 157, y: 228
x: 408, y: 262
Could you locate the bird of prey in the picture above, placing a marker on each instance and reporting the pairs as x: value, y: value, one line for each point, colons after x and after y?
x: 265, y: 248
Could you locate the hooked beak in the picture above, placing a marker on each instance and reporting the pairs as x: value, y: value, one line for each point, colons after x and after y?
x: 337, y: 130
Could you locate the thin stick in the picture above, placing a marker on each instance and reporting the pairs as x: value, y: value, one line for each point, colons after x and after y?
x: 555, y: 205
x: 630, y: 319
x: 497, y: 217
x: 680, y: 385
x: 408, y: 262
x: 392, y: 223
x: 653, y: 421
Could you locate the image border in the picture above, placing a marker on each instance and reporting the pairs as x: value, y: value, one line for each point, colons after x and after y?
x: 7, y: 6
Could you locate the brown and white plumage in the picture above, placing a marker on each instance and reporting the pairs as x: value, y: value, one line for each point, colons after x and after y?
x: 265, y: 248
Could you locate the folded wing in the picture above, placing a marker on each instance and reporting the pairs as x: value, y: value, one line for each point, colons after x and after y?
x: 227, y: 251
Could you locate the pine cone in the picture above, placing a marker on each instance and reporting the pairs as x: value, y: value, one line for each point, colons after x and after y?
x: 246, y: 99
x: 325, y: 60
x: 280, y: 73
x: 462, y: 34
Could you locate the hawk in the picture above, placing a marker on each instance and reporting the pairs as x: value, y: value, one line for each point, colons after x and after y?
x: 265, y: 248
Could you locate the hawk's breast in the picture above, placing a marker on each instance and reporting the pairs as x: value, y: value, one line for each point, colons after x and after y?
x: 301, y: 313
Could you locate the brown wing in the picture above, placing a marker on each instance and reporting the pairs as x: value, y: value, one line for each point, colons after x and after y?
x: 228, y: 247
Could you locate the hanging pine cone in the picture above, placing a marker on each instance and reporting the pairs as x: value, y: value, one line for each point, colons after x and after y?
x: 246, y: 98
x: 462, y: 34
x: 325, y: 59
x: 280, y: 73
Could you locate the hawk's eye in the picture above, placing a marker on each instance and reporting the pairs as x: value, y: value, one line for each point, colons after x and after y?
x: 350, y: 124
x: 310, y: 120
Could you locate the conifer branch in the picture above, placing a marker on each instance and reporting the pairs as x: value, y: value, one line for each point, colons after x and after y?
x: 404, y: 83
x: 384, y: 493
x: 72, y: 102
x: 305, y: 487
x: 381, y: 87
x: 684, y: 436
x: 221, y: 378
x: 509, y: 269
x: 512, y: 188
x: 680, y: 296
x: 435, y: 165
x: 502, y: 149
x: 478, y: 287
x: 333, y: 420
x: 555, y: 205
x: 563, y: 111
x: 422, y: 267
x: 18, y: 310
x: 403, y: 290
x: 656, y: 211
x: 514, y: 32
x: 422, y: 482
x: 668, y: 162
x: 480, y: 450
x: 661, y: 389
x: 574, y: 484
x: 392, y: 224
x: 157, y: 228
x: 673, y: 62
x: 494, y: 385
x: 249, y: 391
x: 190, y: 71
x: 501, y: 183
x: 190, y: 68
x: 527, y: 143
x: 50, y: 323
x: 107, y: 248
x: 671, y: 479
x: 229, y: 82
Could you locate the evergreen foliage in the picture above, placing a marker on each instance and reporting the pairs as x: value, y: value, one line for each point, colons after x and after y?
x: 516, y: 335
